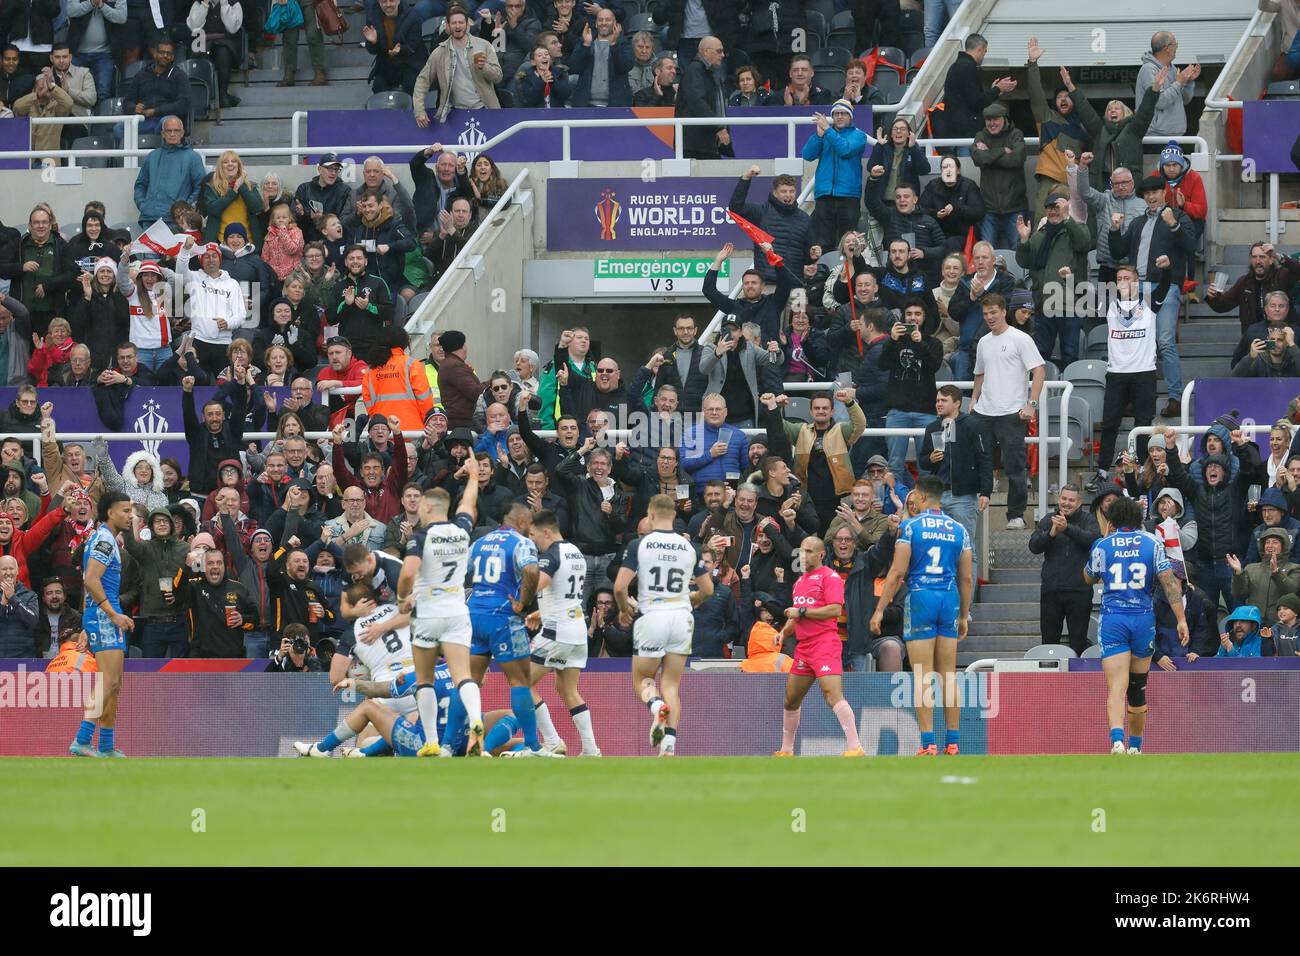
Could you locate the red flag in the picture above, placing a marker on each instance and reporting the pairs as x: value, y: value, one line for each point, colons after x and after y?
x: 758, y: 235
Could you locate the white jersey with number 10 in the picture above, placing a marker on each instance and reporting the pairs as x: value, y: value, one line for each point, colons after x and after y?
x: 665, y: 565
x: 443, y: 550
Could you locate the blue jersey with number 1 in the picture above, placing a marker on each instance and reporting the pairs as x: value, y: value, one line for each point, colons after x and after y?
x: 1127, y: 564
x: 497, y: 561
x: 937, y: 542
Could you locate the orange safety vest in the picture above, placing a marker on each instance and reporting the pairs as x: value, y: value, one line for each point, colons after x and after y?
x: 69, y: 660
x: 399, y: 387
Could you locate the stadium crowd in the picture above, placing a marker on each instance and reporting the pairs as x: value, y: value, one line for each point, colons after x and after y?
x: 306, y: 290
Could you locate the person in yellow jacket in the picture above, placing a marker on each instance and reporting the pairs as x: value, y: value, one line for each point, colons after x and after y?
x: 70, y: 660
x: 763, y: 652
x: 395, y: 383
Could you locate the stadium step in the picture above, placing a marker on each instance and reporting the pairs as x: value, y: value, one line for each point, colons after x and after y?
x: 1015, y: 576
x: 983, y: 628
x: 967, y: 657
x: 1021, y: 592
x: 1005, y: 610
x: 1008, y: 643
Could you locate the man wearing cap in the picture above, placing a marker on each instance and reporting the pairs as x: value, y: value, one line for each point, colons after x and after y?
x: 1263, y: 582
x: 999, y: 153
x: 1158, y: 241
x: 324, y: 193
x: 172, y: 171
x: 1056, y: 258
x: 214, y: 304
x: 243, y: 263
x: 837, y: 149
x: 344, y: 370
x: 1273, y: 514
x: 457, y: 383
x: 161, y: 628
x: 382, y: 491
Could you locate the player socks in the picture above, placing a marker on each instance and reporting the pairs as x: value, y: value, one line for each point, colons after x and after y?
x: 582, y: 720
x: 473, y: 701
x: 379, y: 748
x: 669, y: 743
x: 844, y: 714
x: 501, y: 732
x: 86, y: 732
x: 654, y: 704
x: 1135, y: 742
x: 952, y: 738
x: 545, y: 725
x: 927, y: 738
x: 336, y: 736
x: 106, y: 741
x: 455, y: 719
x: 521, y: 702
x: 789, y: 727
x: 1116, y: 735
x: 426, y: 702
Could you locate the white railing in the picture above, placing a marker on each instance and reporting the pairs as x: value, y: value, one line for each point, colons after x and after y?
x: 416, y: 319
x: 130, y: 139
x: 1215, y: 99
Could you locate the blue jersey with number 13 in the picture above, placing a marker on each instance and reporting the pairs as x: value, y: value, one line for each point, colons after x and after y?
x: 1127, y: 564
x: 497, y: 561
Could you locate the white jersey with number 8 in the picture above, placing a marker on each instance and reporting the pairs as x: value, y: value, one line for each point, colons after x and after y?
x: 665, y: 565
x: 386, y: 657
x: 443, y: 550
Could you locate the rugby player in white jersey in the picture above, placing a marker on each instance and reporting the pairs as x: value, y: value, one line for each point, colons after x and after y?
x: 561, y: 644
x: 663, y: 564
x: 433, y: 581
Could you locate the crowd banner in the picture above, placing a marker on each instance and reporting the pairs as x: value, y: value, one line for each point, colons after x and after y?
x: 1268, y: 136
x: 473, y: 128
x: 217, y: 714
x: 1258, y: 401
x: 147, y: 410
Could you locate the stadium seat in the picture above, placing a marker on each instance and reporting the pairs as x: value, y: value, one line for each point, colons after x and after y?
x: 943, y: 373
x: 113, y: 106
x: 128, y: 73
x: 1090, y: 652
x: 1051, y: 371
x: 1078, y: 426
x: 829, y: 77
x: 95, y: 142
x: 150, y: 140
x: 202, y: 72
x: 1283, y: 90
x: 638, y: 22
x: 817, y: 25
x: 918, y: 56
x: 131, y: 228
x: 891, y: 58
x: 824, y: 7
x: 736, y: 57
x: 414, y: 305
x: 389, y: 100
x: 830, y: 259
x: 835, y: 56
x: 799, y: 409
x: 1050, y: 652
x: 1009, y: 256
x: 811, y: 42
x: 431, y: 27
x: 911, y: 75
x: 1098, y: 346
x: 843, y: 21
x: 886, y: 80
x: 894, y: 95
x: 845, y: 38
x: 1089, y: 378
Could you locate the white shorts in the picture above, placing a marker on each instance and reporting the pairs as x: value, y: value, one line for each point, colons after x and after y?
x: 663, y: 632
x: 560, y: 655
x: 432, y: 631
x: 398, y: 705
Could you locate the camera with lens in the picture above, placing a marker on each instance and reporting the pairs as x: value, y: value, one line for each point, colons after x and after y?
x: 300, y: 645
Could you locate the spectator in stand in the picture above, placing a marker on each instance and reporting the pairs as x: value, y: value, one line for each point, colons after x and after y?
x: 1065, y: 539
x: 681, y: 367
x: 802, y: 90
x: 837, y: 149
x: 542, y: 83
x: 228, y: 197
x: 905, y: 220
x: 100, y: 316
x: 322, y: 195
x: 1055, y: 258
x: 860, y: 515
x: 457, y: 383
x: 241, y: 261
x: 753, y: 305
x: 713, y: 448
x: 1267, y: 273
x: 221, y: 611
x: 78, y: 373
x: 747, y: 90
x: 1171, y: 108
x: 821, y: 450
x: 1085, y: 199
x: 214, y: 303
x: 95, y: 39
x: 691, y: 21
x: 395, y: 387
x: 1185, y: 191
x: 386, y: 241
x: 47, y: 99
x: 772, y: 30
x: 454, y: 230
x: 644, y: 61
x: 956, y: 451
x: 401, y: 53
x: 162, y: 630
x: 937, y: 15
x: 715, y: 619
x: 1267, y: 580
x: 955, y: 202
x: 344, y: 371
x: 40, y: 271
x: 157, y: 92
x: 95, y: 240
x: 57, y: 623
x: 1272, y: 510
x: 966, y: 96
x: 700, y: 93
x: 780, y: 217
x: 895, y: 159
x: 579, y: 395
x: 213, y: 440
x: 375, y: 175
x: 732, y: 366
x: 999, y: 152
x: 662, y: 88
x: 1007, y: 368
x: 1278, y: 314
x: 173, y: 170
x: 219, y: 21
x: 77, y: 82
x: 354, y: 525
x: 1059, y: 127
x: 598, y: 510
x: 856, y: 88
x: 600, y: 64
x: 1116, y: 136
x: 364, y: 303
x: 1276, y: 357
x: 283, y: 243
x: 911, y: 356
x: 435, y: 189
x: 463, y: 67
x: 51, y: 351
x: 1161, y: 239
x: 518, y: 27
x: 19, y: 611
x: 902, y: 279
x: 605, y: 638
x: 15, y: 81
x: 315, y: 47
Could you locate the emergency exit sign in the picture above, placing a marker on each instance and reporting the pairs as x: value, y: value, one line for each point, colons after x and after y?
x: 648, y: 276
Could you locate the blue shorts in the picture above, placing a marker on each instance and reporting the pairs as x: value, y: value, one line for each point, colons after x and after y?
x: 1127, y: 634
x: 501, y: 635
x: 104, y: 635
x: 930, y: 614
x: 408, y: 737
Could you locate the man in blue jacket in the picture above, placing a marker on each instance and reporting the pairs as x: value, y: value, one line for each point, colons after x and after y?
x: 714, y: 449
x: 172, y: 171
x: 837, y: 149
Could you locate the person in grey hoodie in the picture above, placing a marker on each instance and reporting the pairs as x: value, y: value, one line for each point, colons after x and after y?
x: 1171, y: 109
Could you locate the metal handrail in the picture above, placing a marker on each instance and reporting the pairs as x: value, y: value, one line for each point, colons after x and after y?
x: 130, y: 138
x: 1214, y: 100
x: 469, y: 248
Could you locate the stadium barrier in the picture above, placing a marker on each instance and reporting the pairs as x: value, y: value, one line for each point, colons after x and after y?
x: 724, y: 713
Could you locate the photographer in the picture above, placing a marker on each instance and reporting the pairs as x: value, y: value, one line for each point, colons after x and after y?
x: 295, y: 654
x: 605, y: 638
x: 1274, y: 357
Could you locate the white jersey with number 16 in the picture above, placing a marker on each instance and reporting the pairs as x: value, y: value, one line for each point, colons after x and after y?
x: 665, y: 565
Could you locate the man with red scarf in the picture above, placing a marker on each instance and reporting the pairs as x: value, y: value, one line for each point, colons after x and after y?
x: 68, y: 537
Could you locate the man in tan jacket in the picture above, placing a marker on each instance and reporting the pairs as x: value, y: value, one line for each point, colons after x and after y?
x: 69, y: 464
x: 821, y: 449
x: 465, y: 69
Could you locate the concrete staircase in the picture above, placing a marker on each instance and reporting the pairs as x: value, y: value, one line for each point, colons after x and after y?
x: 265, y: 111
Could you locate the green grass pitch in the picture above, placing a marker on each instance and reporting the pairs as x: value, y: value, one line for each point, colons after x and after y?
x: 1165, y: 810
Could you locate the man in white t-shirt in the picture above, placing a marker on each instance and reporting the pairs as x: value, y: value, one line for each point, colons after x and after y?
x: 1007, y: 368
x: 1130, y: 364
